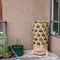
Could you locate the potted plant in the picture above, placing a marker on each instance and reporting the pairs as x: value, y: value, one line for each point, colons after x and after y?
x: 18, y: 47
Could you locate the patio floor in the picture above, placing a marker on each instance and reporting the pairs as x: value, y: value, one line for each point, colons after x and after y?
x: 28, y: 56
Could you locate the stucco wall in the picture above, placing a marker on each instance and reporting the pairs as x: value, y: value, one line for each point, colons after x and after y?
x: 55, y: 45
x: 20, y: 14
x: 0, y: 11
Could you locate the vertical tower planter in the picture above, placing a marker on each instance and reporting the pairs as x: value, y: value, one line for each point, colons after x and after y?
x: 40, y: 33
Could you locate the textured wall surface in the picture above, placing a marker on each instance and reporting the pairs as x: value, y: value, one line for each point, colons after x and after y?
x: 0, y: 10
x: 0, y: 16
x: 55, y: 45
x: 20, y: 14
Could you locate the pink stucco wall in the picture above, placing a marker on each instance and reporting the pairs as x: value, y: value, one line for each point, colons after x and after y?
x: 20, y: 14
x: 55, y: 45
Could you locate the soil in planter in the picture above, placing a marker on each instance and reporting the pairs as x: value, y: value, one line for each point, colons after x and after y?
x: 18, y: 46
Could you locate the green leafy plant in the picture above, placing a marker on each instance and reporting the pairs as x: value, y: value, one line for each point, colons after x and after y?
x: 38, y: 34
x: 33, y: 25
x: 40, y: 21
x: 18, y: 43
x: 47, y: 32
x: 36, y: 30
x: 46, y: 24
x: 43, y: 25
x: 40, y: 39
x: 43, y: 43
x: 4, y: 51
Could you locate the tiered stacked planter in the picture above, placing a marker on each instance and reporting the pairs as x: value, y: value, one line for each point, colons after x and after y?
x: 40, y: 37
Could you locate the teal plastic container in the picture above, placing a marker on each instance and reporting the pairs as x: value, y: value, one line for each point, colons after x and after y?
x: 19, y: 51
